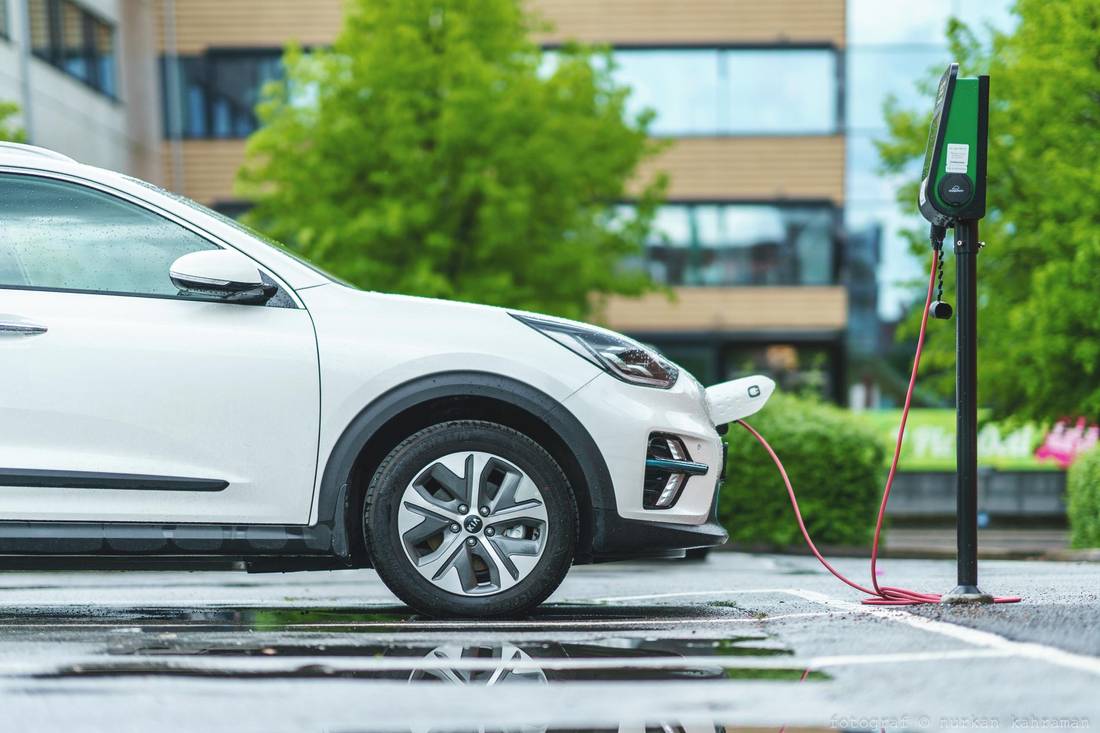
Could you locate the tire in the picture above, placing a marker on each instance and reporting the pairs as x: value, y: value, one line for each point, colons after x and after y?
x: 444, y: 556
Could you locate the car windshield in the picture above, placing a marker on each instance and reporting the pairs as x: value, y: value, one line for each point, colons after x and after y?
x: 242, y: 228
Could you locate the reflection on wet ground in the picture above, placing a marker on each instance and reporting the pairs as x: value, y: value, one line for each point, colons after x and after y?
x: 321, y: 643
x: 367, y: 618
x: 597, y: 649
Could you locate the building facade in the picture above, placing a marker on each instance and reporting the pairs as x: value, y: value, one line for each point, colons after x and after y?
x: 73, y: 66
x: 751, y: 95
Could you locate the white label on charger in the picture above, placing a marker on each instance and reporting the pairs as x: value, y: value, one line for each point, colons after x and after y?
x: 958, y: 157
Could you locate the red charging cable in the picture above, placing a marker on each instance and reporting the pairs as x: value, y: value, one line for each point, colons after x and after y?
x: 880, y: 595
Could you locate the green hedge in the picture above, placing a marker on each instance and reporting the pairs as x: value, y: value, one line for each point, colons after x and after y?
x: 835, y: 462
x: 1083, y: 504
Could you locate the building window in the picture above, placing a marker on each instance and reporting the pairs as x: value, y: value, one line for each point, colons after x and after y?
x: 737, y: 91
x: 4, y: 32
x: 75, y: 41
x: 745, y: 244
x: 215, y: 95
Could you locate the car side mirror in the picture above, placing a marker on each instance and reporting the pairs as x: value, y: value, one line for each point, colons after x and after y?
x: 223, y: 274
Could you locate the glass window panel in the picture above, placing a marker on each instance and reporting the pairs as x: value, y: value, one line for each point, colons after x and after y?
x: 780, y: 91
x: 4, y: 18
x: 716, y: 92
x: 234, y: 84
x: 667, y: 255
x: 75, y: 41
x: 62, y: 236
x: 218, y: 93
x: 743, y: 244
x: 897, y: 21
x: 864, y: 179
x: 814, y: 232
x: 196, y: 112
x: 904, y: 22
x: 40, y: 28
x: 74, y: 55
x: 103, y: 54
x: 681, y: 86
x: 673, y: 222
x: 878, y: 72
x: 897, y: 269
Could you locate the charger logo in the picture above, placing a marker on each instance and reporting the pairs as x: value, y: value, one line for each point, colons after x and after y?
x: 754, y: 391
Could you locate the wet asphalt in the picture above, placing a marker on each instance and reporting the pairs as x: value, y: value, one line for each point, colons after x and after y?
x: 733, y: 641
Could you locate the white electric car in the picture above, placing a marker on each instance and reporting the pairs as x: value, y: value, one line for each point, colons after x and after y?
x: 176, y: 392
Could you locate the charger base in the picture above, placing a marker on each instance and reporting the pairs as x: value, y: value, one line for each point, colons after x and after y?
x: 965, y: 594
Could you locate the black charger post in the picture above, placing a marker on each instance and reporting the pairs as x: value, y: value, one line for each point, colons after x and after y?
x: 952, y: 196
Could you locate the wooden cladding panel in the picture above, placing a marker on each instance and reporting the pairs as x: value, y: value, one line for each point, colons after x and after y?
x: 209, y: 168
x: 700, y: 168
x: 753, y: 168
x: 266, y: 23
x: 735, y: 309
x: 200, y: 24
x: 693, y: 21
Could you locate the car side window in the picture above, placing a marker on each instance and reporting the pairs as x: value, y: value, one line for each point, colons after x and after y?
x: 62, y: 236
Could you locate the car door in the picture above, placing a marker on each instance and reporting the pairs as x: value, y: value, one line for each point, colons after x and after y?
x: 121, y: 399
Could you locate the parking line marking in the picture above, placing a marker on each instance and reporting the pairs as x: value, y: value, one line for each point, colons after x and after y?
x: 1026, y: 649
x: 848, y: 660
x: 1030, y: 650
x: 688, y: 594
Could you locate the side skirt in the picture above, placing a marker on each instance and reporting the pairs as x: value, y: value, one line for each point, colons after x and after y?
x: 127, y: 545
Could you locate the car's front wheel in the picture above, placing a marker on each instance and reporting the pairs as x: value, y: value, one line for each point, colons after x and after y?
x: 470, y: 518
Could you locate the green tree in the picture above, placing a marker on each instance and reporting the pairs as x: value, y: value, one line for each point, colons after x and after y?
x: 8, y: 130
x: 1039, y: 302
x: 432, y: 151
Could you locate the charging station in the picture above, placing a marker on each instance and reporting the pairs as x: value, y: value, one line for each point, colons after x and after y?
x: 952, y: 196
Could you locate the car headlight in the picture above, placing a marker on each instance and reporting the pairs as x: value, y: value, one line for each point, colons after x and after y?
x: 619, y: 356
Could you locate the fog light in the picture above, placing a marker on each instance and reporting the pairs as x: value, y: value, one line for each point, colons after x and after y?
x: 668, y: 466
x: 671, y: 490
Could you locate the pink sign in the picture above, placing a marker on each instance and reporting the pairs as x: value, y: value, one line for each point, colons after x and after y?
x: 1063, y: 443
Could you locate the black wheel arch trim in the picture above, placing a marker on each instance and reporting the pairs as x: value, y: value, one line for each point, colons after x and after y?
x: 334, y: 494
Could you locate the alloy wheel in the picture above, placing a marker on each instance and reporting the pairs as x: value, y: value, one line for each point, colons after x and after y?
x: 473, y: 523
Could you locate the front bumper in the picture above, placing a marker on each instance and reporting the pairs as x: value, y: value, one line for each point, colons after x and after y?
x: 622, y: 417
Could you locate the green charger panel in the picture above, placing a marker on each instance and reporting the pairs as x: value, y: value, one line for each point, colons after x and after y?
x: 953, y: 180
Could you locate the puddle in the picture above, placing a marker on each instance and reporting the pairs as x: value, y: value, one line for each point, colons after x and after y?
x: 237, y: 618
x: 512, y: 669
x: 609, y: 659
x: 365, y: 619
x: 610, y: 648
x: 620, y: 643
